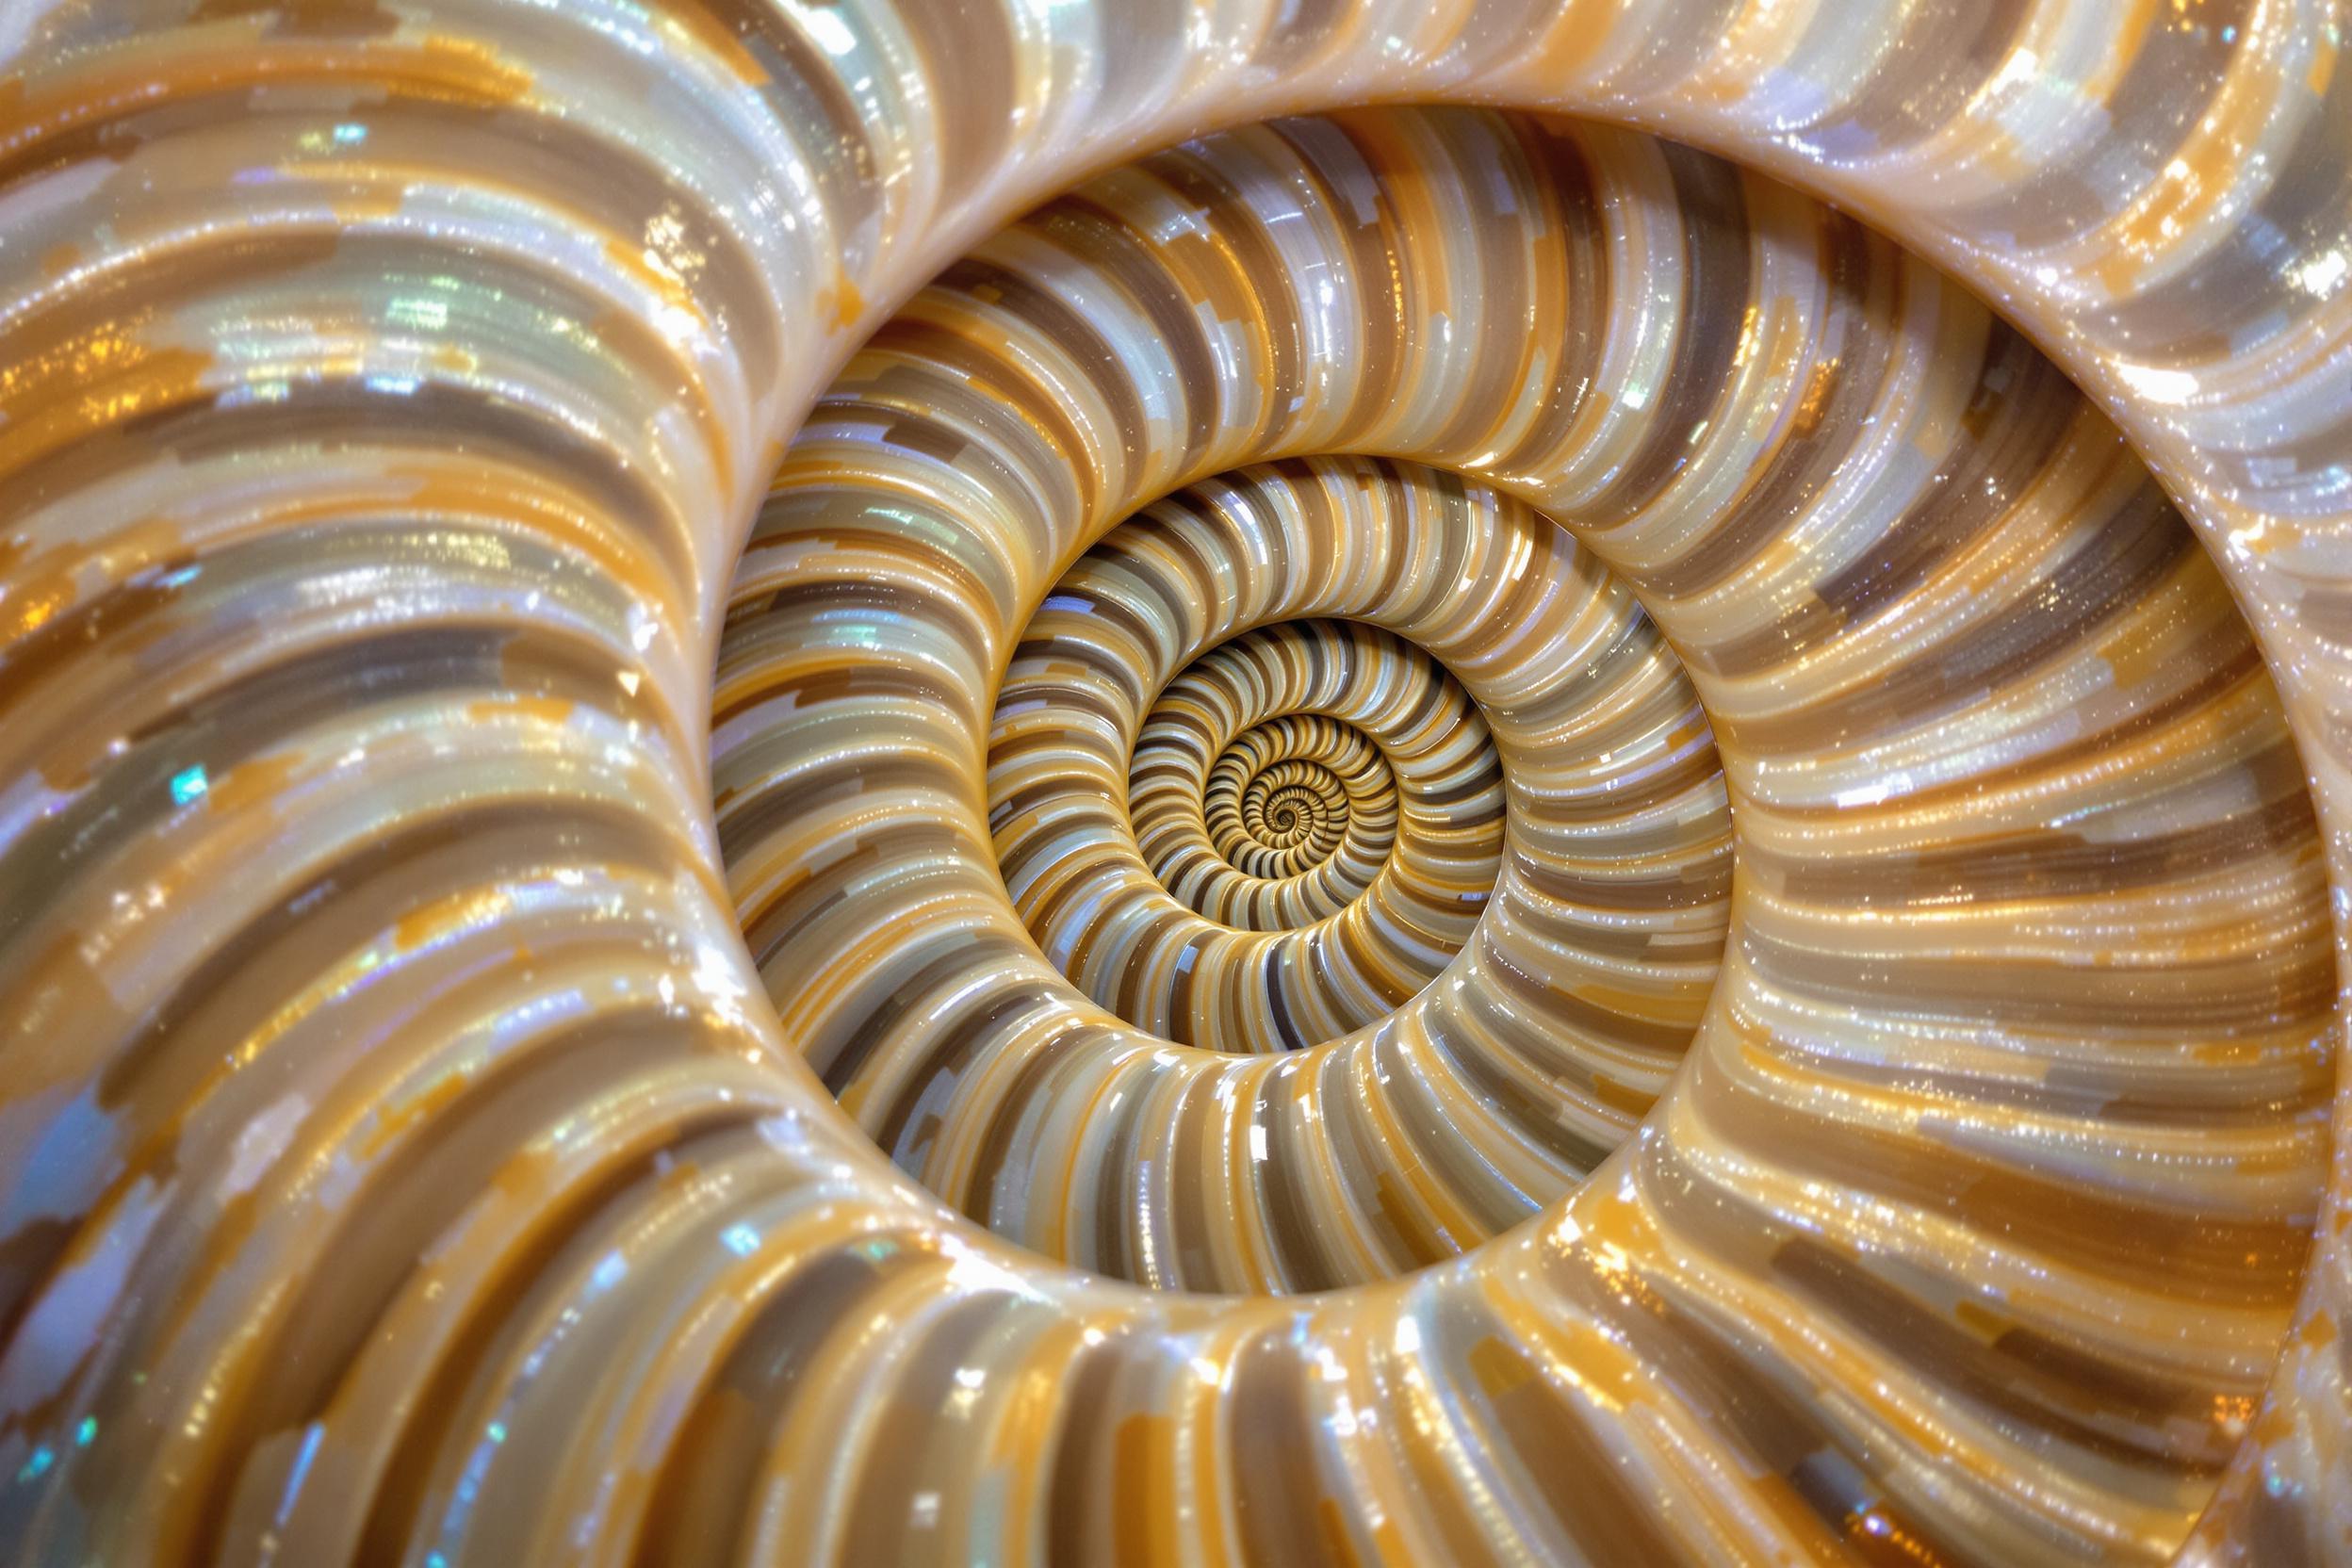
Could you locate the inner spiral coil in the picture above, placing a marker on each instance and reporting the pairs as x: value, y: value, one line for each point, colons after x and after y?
x: 1425, y: 766
x: 1480, y: 1052
x: 1296, y: 812
x: 1342, y: 823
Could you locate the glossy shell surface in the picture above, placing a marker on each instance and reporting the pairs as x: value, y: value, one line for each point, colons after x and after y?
x: 1252, y: 781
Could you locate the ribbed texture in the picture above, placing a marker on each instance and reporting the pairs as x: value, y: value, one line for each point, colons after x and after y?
x: 403, y: 1159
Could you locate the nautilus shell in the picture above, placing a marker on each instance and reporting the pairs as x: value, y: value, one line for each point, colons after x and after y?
x: 1174, y: 781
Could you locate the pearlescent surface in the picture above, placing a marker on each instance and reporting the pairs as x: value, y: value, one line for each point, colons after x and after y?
x: 1871, y: 1098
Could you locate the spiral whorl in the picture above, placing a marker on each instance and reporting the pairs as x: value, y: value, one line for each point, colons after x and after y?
x: 1422, y: 765
x: 1488, y: 1046
x: 529, y: 535
x: 1285, y: 795
x: 1978, y: 699
x: 1293, y: 821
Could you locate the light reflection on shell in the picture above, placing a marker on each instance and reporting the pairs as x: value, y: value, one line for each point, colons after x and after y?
x: 419, y: 1138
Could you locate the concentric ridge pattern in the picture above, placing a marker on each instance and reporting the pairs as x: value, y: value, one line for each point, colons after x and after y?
x: 548, y: 1019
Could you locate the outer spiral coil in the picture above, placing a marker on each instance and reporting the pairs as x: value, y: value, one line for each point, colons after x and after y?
x: 402, y: 1161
